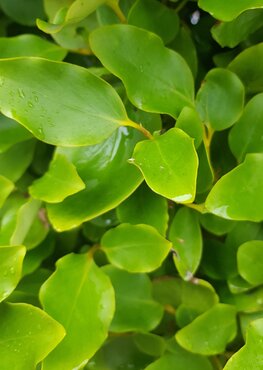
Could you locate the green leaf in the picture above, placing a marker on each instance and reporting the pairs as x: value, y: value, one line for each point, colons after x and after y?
x: 135, y: 248
x: 60, y: 181
x: 246, y: 66
x: 157, y: 79
x: 24, y: 12
x: 10, y: 167
x: 249, y: 357
x: 149, y: 343
x: 160, y: 20
x: 190, y: 122
x: 220, y: 89
x: 249, y: 260
x: 172, y: 176
x: 11, y: 260
x: 185, y: 234
x: 184, y: 45
x: 209, y: 333
x: 6, y: 187
x: 247, y: 134
x: 234, y: 196
x: 180, y: 359
x: 216, y: 225
x: 28, y: 95
x: 228, y: 10
x: 145, y: 207
x: 27, y: 335
x: 101, y: 167
x: 30, y: 46
x: 11, y: 133
x: 24, y: 220
x: 232, y: 33
x: 81, y: 298
x: 135, y: 308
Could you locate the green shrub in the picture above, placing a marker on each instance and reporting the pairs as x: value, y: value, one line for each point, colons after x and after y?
x: 131, y: 178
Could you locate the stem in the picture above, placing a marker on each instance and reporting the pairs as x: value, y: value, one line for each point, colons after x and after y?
x: 170, y: 309
x: 207, y: 138
x: 198, y: 207
x: 93, y: 250
x: 139, y: 127
x: 117, y: 10
x: 216, y: 363
x: 181, y: 5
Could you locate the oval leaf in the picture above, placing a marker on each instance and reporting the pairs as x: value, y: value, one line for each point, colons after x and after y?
x: 235, y: 195
x: 27, y: 335
x: 6, y: 187
x: 11, y: 260
x: 249, y: 261
x: 90, y: 109
x: 135, y: 248
x: 81, y: 298
x: 228, y: 10
x: 135, y: 308
x: 220, y: 89
x: 199, y: 336
x: 185, y: 234
x: 247, y: 134
x: 248, y: 69
x: 60, y: 181
x: 157, y: 79
x: 169, y: 165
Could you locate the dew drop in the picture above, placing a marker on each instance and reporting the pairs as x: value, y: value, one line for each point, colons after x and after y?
x: 131, y: 160
x: 30, y: 104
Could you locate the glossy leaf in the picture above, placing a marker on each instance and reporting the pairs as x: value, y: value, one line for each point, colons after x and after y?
x: 11, y: 260
x: 199, y: 336
x: 23, y: 11
x: 232, y: 33
x: 60, y: 181
x: 249, y: 260
x: 37, y: 334
x: 10, y: 167
x: 249, y: 357
x: 190, y: 122
x: 28, y: 95
x: 172, y: 176
x: 234, y: 196
x: 246, y: 66
x: 101, y: 167
x: 135, y: 308
x: 157, y: 79
x: 81, y: 298
x: 6, y: 187
x: 145, y: 207
x: 160, y: 20
x: 185, y: 234
x: 220, y: 89
x: 30, y: 46
x: 11, y: 133
x: 247, y: 134
x: 228, y: 10
x: 135, y: 248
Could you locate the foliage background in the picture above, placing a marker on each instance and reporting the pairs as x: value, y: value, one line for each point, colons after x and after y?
x: 131, y: 173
